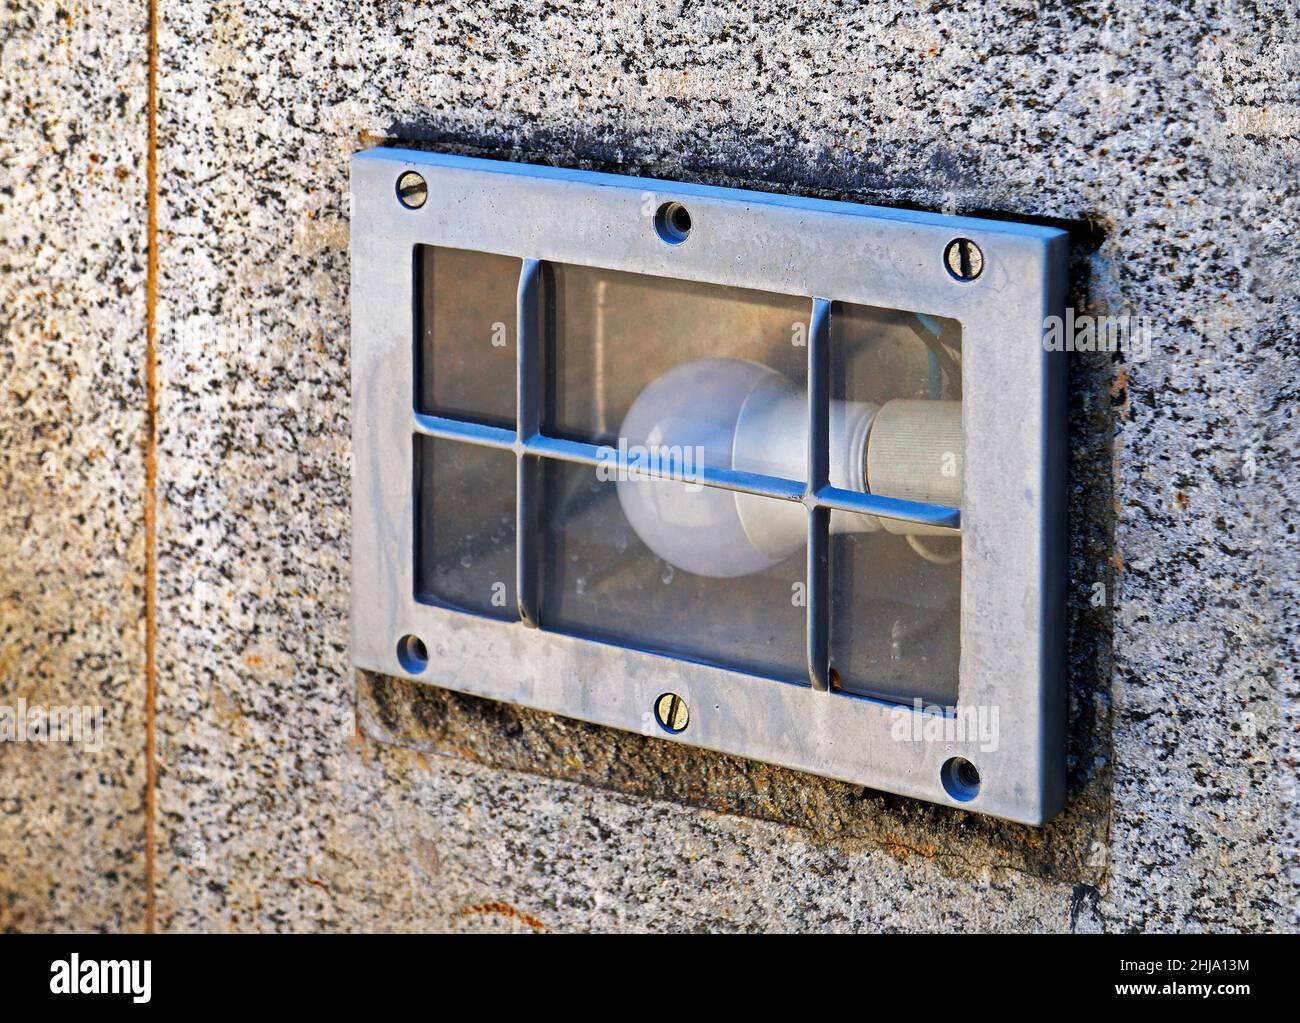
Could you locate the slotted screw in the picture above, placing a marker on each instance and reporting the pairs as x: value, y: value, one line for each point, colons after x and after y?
x: 672, y: 713
x: 964, y: 259
x: 412, y: 190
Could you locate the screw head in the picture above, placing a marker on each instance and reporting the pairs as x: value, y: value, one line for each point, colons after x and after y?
x: 963, y: 259
x: 412, y: 190
x: 671, y: 713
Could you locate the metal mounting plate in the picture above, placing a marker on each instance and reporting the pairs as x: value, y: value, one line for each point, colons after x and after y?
x: 1013, y: 507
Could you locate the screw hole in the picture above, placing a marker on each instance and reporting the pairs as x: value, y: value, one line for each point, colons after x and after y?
x: 960, y: 779
x: 412, y: 654
x: 672, y: 713
x: 964, y: 259
x: 673, y: 223
x: 412, y: 190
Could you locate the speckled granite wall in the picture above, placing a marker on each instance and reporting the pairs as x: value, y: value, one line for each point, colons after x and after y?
x: 73, y: 239
x: 292, y: 794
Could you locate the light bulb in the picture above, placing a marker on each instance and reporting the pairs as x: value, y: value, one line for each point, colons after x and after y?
x: 731, y: 413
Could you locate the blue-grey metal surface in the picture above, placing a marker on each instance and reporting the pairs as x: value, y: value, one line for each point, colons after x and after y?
x: 1012, y: 523
x: 819, y: 516
x: 528, y: 385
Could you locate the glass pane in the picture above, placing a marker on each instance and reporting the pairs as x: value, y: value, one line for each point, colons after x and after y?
x: 466, y: 334
x: 717, y: 374
x: 895, y: 586
x: 465, y: 527
x: 718, y: 597
x: 895, y: 615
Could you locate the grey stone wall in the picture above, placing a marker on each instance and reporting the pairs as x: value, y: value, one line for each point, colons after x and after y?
x: 291, y: 794
x: 73, y: 246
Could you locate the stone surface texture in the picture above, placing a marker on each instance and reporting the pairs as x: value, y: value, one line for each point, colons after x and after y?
x: 293, y: 793
x: 73, y: 238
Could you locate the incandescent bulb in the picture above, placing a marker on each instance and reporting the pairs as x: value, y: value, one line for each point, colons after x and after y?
x: 692, y: 411
x: 735, y: 414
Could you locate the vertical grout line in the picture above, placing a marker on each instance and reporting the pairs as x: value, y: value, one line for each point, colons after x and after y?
x: 151, y: 471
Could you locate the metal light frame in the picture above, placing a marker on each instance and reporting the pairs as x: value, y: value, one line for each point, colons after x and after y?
x: 1013, y: 506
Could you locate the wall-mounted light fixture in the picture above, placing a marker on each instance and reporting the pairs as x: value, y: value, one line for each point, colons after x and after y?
x: 775, y: 476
